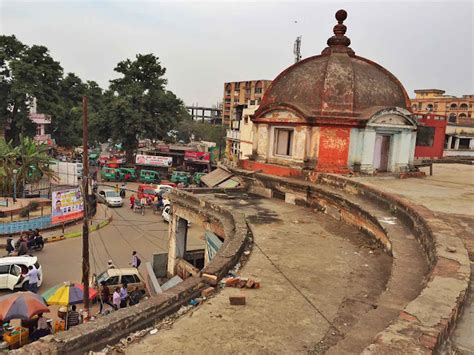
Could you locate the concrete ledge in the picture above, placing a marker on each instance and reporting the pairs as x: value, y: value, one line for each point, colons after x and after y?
x: 111, y: 328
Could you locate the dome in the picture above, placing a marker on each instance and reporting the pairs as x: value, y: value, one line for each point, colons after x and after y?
x: 335, y: 84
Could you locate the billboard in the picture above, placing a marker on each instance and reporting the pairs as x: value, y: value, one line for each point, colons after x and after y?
x: 153, y: 160
x: 197, y: 156
x: 67, y: 205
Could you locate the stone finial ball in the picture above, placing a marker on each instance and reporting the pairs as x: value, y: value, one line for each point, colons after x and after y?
x: 341, y: 15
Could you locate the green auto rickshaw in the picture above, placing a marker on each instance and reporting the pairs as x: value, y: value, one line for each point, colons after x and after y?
x: 129, y: 174
x: 181, y: 176
x: 197, y: 177
x: 111, y: 174
x: 149, y: 177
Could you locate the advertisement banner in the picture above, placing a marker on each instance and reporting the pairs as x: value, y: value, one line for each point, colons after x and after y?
x: 67, y: 205
x: 197, y: 156
x: 153, y: 160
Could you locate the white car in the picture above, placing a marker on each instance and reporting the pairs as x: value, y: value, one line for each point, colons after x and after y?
x: 162, y: 189
x: 167, y: 213
x: 13, y: 270
x: 111, y: 198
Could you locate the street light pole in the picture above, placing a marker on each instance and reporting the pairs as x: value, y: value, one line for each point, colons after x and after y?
x: 14, y: 185
x: 85, y: 196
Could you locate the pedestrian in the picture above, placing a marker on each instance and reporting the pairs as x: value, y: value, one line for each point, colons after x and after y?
x: 104, y: 297
x: 23, y: 247
x: 123, y: 188
x: 123, y: 296
x: 33, y: 278
x: 73, y: 318
x: 116, y: 298
x: 110, y: 265
x: 9, y: 246
x: 132, y: 201
x: 135, y: 260
x: 135, y: 296
x: 117, y: 190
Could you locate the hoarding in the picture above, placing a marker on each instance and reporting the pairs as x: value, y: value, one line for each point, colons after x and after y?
x: 197, y: 156
x: 67, y: 205
x: 153, y: 160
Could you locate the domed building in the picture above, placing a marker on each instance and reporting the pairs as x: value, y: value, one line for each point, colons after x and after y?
x: 333, y: 112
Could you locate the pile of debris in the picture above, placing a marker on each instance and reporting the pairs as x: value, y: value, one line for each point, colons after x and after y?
x: 239, y: 282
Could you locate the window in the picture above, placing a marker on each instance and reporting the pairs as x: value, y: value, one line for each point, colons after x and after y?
x: 425, y: 136
x: 130, y: 279
x: 258, y: 90
x: 4, y: 269
x: 283, y: 141
x: 452, y: 118
x: 464, y: 143
x: 429, y: 107
x: 114, y: 280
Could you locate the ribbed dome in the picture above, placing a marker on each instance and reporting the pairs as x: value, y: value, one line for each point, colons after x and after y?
x: 336, y: 83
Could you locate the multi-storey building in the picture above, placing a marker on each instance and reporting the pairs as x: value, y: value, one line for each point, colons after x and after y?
x: 459, y: 111
x: 238, y: 96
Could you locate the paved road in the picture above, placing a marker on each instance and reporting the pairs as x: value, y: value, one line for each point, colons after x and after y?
x: 128, y: 231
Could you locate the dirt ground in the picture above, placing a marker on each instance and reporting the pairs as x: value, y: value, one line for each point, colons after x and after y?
x: 316, y: 276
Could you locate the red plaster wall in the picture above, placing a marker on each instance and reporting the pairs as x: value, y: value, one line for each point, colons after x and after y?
x: 333, y: 149
x: 271, y: 169
x: 435, y: 151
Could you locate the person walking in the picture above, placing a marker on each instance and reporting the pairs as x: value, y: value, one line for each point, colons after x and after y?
x: 132, y: 201
x: 123, y: 296
x: 33, y: 278
x: 135, y: 260
x: 110, y: 264
x: 104, y: 297
x: 117, y: 189
x: 116, y: 298
x: 123, y: 189
x: 23, y: 248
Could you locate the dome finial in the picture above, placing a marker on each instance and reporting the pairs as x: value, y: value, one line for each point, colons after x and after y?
x: 339, y: 42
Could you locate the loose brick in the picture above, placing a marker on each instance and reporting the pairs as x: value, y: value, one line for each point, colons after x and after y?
x: 210, y: 279
x: 207, y: 291
x: 232, y: 281
x: 237, y: 300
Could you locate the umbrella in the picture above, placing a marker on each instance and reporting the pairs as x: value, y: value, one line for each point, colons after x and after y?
x: 21, y: 305
x: 67, y: 293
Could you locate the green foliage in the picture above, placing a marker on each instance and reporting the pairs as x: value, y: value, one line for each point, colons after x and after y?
x: 31, y: 162
x: 201, y: 131
x: 25, y: 72
x: 138, y: 105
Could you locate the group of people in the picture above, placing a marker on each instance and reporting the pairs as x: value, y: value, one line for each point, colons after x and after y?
x: 120, y: 297
x: 156, y: 201
x: 30, y: 240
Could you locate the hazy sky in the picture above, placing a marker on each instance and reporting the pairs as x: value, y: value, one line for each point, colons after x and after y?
x: 204, y: 44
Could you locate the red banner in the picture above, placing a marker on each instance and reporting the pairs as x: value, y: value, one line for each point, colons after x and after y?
x: 197, y: 156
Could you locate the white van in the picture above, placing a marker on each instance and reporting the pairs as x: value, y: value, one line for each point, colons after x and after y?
x: 13, y: 270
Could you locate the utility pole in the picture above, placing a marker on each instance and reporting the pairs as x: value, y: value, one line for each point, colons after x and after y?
x: 85, y: 198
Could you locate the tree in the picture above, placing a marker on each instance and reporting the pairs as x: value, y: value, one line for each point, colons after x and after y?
x: 189, y: 129
x: 25, y: 73
x: 31, y: 162
x: 138, y: 104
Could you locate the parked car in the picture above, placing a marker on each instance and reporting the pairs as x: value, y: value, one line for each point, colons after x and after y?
x: 111, y: 174
x: 147, y: 191
x: 149, y: 176
x: 181, y: 177
x: 116, y: 277
x: 168, y: 212
x: 110, y: 198
x: 13, y: 270
x: 163, y: 189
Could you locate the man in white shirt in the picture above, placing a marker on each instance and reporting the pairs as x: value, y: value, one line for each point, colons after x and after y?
x: 33, y: 278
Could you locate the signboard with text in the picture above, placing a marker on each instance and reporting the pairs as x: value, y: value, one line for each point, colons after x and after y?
x: 153, y: 160
x: 197, y: 156
x: 67, y: 205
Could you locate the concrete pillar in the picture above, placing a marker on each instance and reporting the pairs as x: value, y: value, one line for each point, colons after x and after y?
x: 299, y: 143
x: 450, y: 141
x: 368, y: 146
x: 456, y: 143
x: 471, y: 143
x: 177, y: 238
x: 262, y: 141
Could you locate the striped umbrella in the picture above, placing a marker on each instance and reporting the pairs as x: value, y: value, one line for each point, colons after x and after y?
x: 67, y: 293
x: 21, y: 305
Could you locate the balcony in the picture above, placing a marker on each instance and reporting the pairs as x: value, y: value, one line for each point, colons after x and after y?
x: 234, y: 135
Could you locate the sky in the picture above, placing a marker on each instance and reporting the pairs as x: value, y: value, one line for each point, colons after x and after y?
x: 204, y: 44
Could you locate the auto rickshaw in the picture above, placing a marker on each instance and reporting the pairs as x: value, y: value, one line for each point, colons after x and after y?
x: 149, y: 177
x: 129, y: 174
x: 111, y: 174
x: 197, y: 177
x: 181, y: 176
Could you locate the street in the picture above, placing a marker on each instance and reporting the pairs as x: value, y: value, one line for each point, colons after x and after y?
x: 148, y: 234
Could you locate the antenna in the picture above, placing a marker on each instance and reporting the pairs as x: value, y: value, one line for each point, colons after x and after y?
x: 297, y: 49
